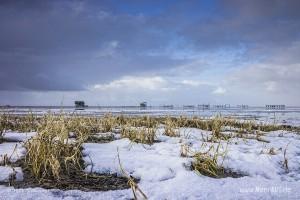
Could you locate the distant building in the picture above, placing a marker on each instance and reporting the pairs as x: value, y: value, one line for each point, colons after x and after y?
x: 204, y: 106
x: 188, y: 106
x: 275, y: 107
x: 79, y: 105
x: 168, y: 106
x: 222, y: 106
x: 243, y: 106
x: 143, y: 104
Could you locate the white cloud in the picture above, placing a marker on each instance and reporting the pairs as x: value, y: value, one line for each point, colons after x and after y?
x: 190, y: 83
x: 195, y: 83
x: 136, y: 83
x: 271, y: 86
x: 271, y: 81
x: 268, y: 77
x: 219, y: 91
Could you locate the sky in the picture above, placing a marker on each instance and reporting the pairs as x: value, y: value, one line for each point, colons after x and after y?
x: 109, y: 52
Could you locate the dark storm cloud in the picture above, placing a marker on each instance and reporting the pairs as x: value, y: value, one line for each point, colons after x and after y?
x: 69, y: 45
x: 253, y: 23
x: 54, y: 45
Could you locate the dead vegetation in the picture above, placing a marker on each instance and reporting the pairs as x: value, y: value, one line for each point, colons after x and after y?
x: 50, y: 154
x: 108, y: 122
x: 75, y: 180
x: 206, y: 162
x: 285, y: 162
x: 142, y: 135
x: 100, y: 138
x: 271, y: 151
x: 4, y: 125
x: 170, y: 128
x: 6, y: 160
x: 55, y: 161
x: 144, y: 121
x: 93, y: 124
x: 137, y: 192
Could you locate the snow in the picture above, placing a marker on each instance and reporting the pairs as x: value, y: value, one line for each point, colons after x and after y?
x: 164, y: 174
x: 13, y: 150
x: 107, y: 135
x: 7, y: 171
x: 141, y: 161
x: 9, y: 193
x: 17, y: 136
x: 252, y: 158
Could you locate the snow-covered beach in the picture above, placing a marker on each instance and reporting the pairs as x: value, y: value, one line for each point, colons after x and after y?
x: 163, y: 173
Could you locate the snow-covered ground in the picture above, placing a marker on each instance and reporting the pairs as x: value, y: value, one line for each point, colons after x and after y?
x: 18, y: 137
x: 164, y: 174
x: 13, y: 150
x: 7, y: 171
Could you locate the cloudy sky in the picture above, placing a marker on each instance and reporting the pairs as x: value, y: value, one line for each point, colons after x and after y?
x: 110, y: 52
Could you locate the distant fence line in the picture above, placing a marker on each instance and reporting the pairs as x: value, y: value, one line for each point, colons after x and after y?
x: 183, y: 107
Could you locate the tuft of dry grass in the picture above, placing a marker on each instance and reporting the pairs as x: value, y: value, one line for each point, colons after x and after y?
x: 4, y: 125
x: 83, y: 127
x: 206, y: 163
x: 5, y: 160
x: 170, y: 128
x: 143, y: 121
x: 216, y: 126
x: 185, y: 151
x: 139, y: 134
x: 108, y: 122
x: 285, y: 160
x: 50, y: 155
x: 256, y: 135
x: 28, y: 123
